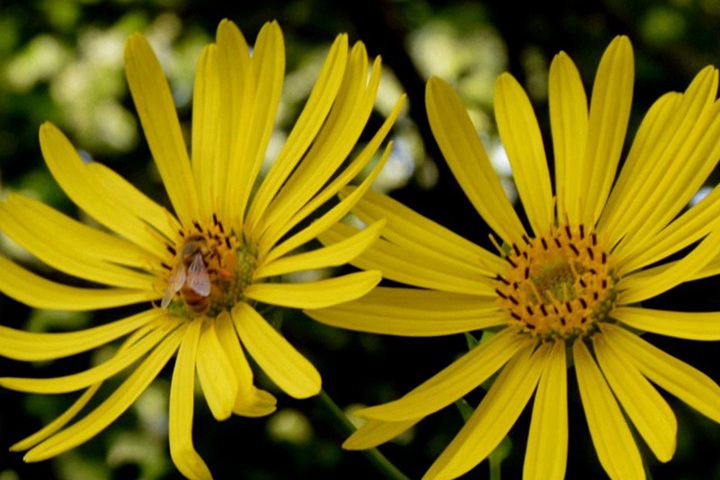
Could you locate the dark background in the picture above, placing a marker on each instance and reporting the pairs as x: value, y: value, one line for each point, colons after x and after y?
x: 62, y: 61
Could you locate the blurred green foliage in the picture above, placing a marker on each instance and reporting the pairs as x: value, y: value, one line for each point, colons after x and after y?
x: 63, y: 62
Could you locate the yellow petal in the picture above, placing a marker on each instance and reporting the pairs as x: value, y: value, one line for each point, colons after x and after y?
x: 305, y: 129
x: 520, y: 135
x: 493, y: 418
x: 29, y: 346
x: 648, y: 411
x: 81, y: 183
x: 693, y: 326
x: 468, y: 161
x: 250, y: 401
x: 330, y: 256
x: 607, y: 124
x: 112, y: 407
x: 452, y: 383
x: 154, y: 103
x: 569, y: 125
x: 216, y: 374
x: 318, y: 294
x: 412, y: 312
x: 182, y: 394
x: 374, y: 432
x: 678, y: 378
x: 415, y: 266
x: 610, y: 434
x: 546, y: 453
x: 407, y: 228
x: 267, y: 69
x: 99, y: 373
x: 37, y: 292
x: 292, y: 372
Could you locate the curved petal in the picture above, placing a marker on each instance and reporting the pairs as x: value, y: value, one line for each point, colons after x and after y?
x: 569, y: 125
x: 329, y: 256
x: 689, y: 325
x: 154, y: 104
x: 182, y: 394
x: 110, y: 409
x: 452, y: 383
x: 678, y: 378
x: 32, y: 347
x: 35, y: 291
x: 468, y: 161
x: 216, y: 374
x: 70, y: 383
x: 520, y: 135
x: 374, y: 432
x: 494, y: 417
x: 292, y: 372
x: 607, y: 124
x: 546, y: 453
x: 614, y: 443
x: 81, y: 183
x: 413, y: 313
x: 319, y: 294
x: 648, y: 411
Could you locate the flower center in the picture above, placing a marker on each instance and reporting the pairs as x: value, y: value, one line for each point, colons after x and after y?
x: 210, y: 269
x: 560, y: 285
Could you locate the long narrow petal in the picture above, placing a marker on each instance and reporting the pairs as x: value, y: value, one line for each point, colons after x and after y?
x: 86, y: 378
x: 546, y: 454
x: 154, y: 103
x: 292, y: 372
x: 614, y: 443
x: 493, y: 418
x: 569, y: 125
x: 520, y: 135
x: 415, y: 266
x: 305, y: 129
x: 412, y: 312
x: 250, y: 401
x: 318, y: 294
x: 452, y: 383
x: 649, y: 283
x: 607, y: 124
x: 81, y: 184
x: 182, y: 392
x: 468, y: 161
x: 30, y: 346
x: 678, y: 378
x: 689, y: 325
x: 216, y: 374
x: 648, y: 411
x: 52, y: 247
x: 410, y: 229
x: 110, y: 409
x: 35, y: 291
x: 374, y: 432
x: 331, y: 256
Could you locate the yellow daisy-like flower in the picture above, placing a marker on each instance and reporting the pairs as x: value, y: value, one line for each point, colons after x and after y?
x: 565, y: 291
x: 207, y: 267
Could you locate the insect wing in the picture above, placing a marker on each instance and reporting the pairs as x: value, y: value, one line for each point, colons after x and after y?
x: 197, y: 277
x: 177, y: 280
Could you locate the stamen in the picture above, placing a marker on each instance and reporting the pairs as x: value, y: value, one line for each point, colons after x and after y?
x: 575, y: 250
x: 591, y: 253
x: 171, y: 249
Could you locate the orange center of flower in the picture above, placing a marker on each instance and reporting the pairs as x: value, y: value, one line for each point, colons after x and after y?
x: 559, y: 285
x: 210, y: 269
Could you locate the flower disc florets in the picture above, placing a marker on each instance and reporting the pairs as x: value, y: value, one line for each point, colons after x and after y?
x: 210, y: 270
x: 559, y: 285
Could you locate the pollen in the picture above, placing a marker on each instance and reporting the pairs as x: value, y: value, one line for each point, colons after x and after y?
x: 558, y: 286
x: 209, y: 270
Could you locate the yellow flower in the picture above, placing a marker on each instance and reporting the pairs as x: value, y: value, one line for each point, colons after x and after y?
x: 207, y: 267
x: 564, y: 291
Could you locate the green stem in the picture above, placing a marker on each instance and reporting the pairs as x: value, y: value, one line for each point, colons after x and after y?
x: 373, y: 454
